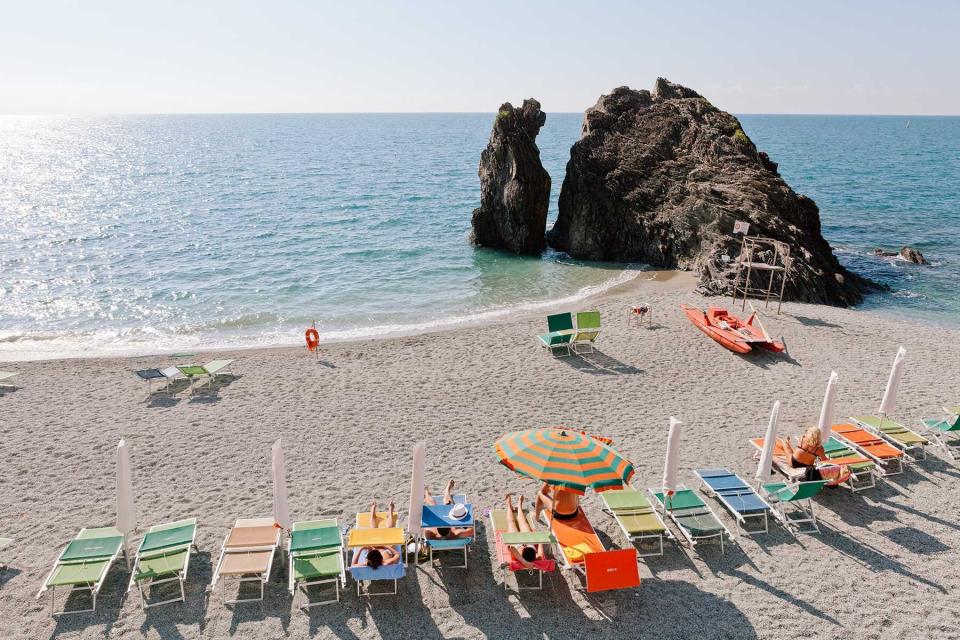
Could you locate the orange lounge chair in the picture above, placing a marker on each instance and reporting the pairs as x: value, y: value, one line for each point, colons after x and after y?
x: 873, y: 446
x: 247, y: 555
x: 582, y: 550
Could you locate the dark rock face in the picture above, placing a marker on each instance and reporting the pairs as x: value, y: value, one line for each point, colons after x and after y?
x: 514, y: 186
x: 660, y: 178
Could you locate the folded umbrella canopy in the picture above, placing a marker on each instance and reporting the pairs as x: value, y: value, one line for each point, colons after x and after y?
x: 564, y: 458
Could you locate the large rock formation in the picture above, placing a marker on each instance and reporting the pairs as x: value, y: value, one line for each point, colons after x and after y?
x: 660, y: 178
x: 514, y: 186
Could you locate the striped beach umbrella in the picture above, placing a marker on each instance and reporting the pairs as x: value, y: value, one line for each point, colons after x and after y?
x: 564, y: 458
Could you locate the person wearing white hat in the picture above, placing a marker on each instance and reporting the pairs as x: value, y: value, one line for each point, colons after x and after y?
x: 458, y: 511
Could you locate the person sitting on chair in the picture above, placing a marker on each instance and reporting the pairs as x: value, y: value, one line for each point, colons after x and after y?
x: 562, y: 504
x: 375, y: 557
x: 517, y: 522
x: 445, y: 533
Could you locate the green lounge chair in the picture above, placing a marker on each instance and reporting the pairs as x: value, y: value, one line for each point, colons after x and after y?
x: 163, y: 557
x: 315, y: 553
x: 3, y: 543
x: 561, y: 331
x: 863, y: 470
x: 636, y: 517
x: 5, y: 377
x: 211, y: 370
x: 694, y: 518
x: 946, y: 433
x: 83, y: 565
x: 907, y: 440
x: 798, y: 496
x: 588, y: 328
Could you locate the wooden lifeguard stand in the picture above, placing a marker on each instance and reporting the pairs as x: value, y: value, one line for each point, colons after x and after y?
x: 760, y: 256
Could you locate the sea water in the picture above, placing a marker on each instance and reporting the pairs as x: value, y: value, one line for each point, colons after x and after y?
x: 149, y: 234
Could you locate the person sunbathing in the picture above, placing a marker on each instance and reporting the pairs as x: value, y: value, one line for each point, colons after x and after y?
x: 562, y: 504
x: 375, y: 557
x: 517, y: 522
x: 444, y: 533
x: 807, y: 452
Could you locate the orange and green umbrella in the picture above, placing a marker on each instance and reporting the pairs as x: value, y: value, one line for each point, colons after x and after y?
x: 564, y: 458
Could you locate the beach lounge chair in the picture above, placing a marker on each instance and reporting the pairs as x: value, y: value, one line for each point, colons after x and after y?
x: 247, y: 555
x: 163, y: 557
x: 797, y: 496
x: 83, y: 565
x: 561, y: 331
x: 890, y: 460
x: 503, y: 539
x: 164, y: 376
x: 316, y: 557
x: 588, y: 328
x: 637, y: 518
x: 438, y: 515
x: 736, y: 496
x: 211, y: 370
x: 945, y: 432
x: 4, y: 542
x: 364, y: 534
x: 692, y: 516
x: 582, y: 550
x: 5, y: 379
x: 907, y: 440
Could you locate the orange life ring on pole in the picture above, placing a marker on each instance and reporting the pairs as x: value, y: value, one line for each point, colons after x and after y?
x: 313, y: 339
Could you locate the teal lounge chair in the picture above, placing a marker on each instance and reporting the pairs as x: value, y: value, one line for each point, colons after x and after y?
x: 798, y: 496
x: 561, y: 331
x: 945, y: 433
x: 315, y: 554
x: 163, y: 557
x: 693, y: 517
x: 588, y: 328
x: 211, y: 370
x: 83, y: 565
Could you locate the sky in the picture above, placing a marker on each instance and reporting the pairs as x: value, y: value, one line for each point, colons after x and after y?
x: 417, y: 56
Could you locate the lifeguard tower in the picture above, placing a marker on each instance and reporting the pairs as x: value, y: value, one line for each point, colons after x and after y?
x: 762, y: 261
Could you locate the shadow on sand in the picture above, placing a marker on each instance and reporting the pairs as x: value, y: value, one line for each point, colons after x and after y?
x: 598, y: 363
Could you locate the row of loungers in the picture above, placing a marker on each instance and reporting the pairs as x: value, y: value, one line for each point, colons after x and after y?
x: 561, y: 333
x: 188, y: 372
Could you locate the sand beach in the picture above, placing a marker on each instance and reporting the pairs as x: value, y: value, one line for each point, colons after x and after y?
x: 883, y: 566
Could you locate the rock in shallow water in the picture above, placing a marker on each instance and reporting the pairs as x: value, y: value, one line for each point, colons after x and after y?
x: 660, y: 178
x: 514, y: 186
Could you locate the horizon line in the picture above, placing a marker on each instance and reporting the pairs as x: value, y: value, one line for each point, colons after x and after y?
x: 357, y: 113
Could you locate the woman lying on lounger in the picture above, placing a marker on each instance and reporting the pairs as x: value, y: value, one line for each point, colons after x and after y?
x: 375, y: 557
x: 562, y: 504
x: 445, y: 533
x: 517, y: 522
x: 805, y: 456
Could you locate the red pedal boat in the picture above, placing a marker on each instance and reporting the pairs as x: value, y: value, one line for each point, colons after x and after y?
x: 739, y: 336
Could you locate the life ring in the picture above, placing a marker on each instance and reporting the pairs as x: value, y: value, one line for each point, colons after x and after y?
x: 313, y: 339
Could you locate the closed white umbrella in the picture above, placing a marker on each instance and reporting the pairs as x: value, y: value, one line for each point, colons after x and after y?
x: 416, y: 487
x: 765, y: 467
x: 281, y: 510
x: 827, y: 410
x: 672, y: 461
x: 126, y: 514
x: 889, y: 401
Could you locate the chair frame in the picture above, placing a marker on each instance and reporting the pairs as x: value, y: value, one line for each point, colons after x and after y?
x: 93, y: 587
x: 939, y: 437
x: 781, y: 514
x: 338, y: 581
x: 634, y: 538
x: 143, y: 586
x: 692, y: 540
x: 261, y: 578
x: 884, y: 466
x: 740, y: 519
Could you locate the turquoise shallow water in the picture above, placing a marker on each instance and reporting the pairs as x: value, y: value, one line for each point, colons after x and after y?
x: 137, y: 234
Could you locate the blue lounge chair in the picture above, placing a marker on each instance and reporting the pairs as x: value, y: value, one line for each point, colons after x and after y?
x: 736, y: 496
x: 435, y: 516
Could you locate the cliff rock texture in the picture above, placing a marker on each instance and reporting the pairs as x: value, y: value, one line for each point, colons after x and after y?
x: 514, y: 186
x: 660, y: 178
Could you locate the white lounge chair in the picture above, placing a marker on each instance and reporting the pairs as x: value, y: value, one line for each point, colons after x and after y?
x: 164, y: 376
x: 5, y: 377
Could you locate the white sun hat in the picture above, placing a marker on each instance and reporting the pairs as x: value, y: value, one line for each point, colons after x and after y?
x: 458, y: 511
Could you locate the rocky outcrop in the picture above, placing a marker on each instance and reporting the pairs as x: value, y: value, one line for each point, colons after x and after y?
x: 907, y: 253
x: 514, y: 186
x: 660, y: 178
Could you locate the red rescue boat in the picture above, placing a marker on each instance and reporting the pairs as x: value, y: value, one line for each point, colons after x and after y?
x: 739, y: 336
